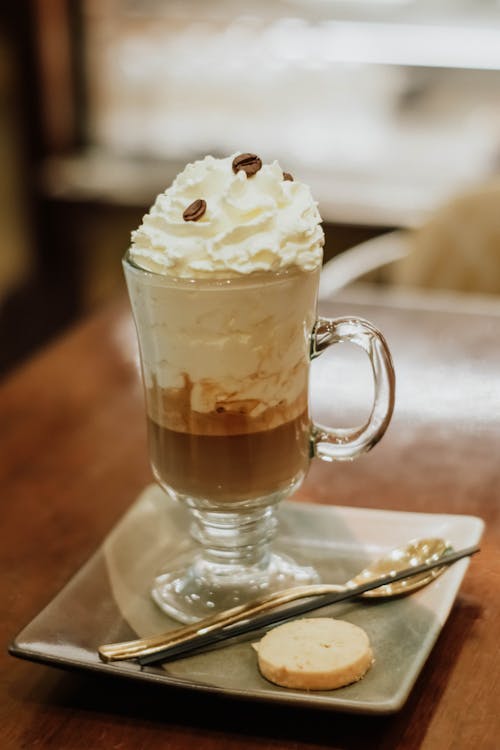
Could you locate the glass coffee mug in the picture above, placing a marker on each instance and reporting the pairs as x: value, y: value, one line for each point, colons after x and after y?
x: 225, y: 367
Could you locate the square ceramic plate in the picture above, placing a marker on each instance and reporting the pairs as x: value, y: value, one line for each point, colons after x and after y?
x: 108, y: 600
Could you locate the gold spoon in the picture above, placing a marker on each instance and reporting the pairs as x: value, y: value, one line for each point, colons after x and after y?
x: 415, y: 552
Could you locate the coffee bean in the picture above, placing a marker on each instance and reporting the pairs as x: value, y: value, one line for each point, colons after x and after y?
x: 287, y: 176
x: 249, y: 163
x: 195, y: 210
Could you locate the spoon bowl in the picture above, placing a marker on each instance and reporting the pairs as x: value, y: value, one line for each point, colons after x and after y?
x: 414, y: 553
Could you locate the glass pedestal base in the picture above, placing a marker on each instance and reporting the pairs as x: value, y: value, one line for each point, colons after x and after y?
x: 198, y: 589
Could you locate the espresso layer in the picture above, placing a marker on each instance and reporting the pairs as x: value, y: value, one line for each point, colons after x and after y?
x: 233, y: 467
x: 171, y: 408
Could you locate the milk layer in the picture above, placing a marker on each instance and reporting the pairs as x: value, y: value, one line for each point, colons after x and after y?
x: 224, y: 356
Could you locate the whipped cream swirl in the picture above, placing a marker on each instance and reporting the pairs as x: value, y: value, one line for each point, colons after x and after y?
x: 251, y: 224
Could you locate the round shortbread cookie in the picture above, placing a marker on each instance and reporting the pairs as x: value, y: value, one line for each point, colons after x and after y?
x: 314, y: 654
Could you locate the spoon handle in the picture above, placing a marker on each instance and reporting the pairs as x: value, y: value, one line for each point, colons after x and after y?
x: 228, y: 624
x: 145, y: 646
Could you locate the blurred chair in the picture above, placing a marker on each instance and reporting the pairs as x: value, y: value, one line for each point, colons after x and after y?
x: 458, y: 248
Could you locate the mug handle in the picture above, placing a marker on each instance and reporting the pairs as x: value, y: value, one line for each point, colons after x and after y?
x: 347, y: 444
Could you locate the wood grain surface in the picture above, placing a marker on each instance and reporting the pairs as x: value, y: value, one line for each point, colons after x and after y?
x: 73, y: 458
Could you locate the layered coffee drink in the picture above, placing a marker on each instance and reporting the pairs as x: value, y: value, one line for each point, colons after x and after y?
x: 223, y: 276
x: 233, y: 423
x: 224, y: 320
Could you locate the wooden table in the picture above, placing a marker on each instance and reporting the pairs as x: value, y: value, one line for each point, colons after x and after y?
x: 73, y: 458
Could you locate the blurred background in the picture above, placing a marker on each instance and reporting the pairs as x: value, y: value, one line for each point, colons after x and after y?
x: 389, y: 109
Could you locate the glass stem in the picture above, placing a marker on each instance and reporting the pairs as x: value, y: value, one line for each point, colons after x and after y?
x: 230, y: 540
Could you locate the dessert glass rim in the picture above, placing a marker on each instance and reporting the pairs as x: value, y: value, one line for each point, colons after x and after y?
x: 254, y: 278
